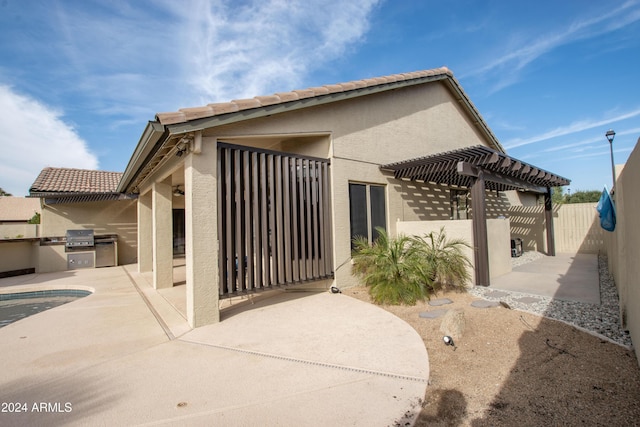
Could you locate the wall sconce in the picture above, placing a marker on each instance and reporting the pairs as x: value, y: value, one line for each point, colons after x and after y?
x: 182, y: 146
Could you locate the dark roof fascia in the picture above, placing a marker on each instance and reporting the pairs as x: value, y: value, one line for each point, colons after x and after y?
x: 152, y: 138
x: 56, y: 198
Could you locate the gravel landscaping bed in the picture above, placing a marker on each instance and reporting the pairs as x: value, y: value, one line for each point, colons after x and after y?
x: 603, y: 319
x: 515, y: 364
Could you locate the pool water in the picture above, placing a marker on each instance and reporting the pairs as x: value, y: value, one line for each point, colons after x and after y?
x: 14, y: 307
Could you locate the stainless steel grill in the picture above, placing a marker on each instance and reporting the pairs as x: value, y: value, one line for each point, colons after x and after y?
x: 79, y: 239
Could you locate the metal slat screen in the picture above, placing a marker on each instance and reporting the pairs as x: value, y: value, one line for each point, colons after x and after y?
x: 274, y: 219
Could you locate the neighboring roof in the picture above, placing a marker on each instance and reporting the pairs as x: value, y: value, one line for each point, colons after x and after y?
x: 154, y: 140
x: 64, y: 180
x: 503, y: 172
x: 18, y: 208
x: 64, y: 185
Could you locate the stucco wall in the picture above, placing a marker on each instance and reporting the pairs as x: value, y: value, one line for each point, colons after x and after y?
x: 497, y: 237
x: 18, y: 254
x: 379, y: 128
x: 16, y: 231
x: 114, y: 217
x: 360, y: 135
x: 51, y: 258
x: 623, y: 245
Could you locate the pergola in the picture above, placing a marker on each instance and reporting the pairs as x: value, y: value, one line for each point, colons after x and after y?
x: 480, y: 168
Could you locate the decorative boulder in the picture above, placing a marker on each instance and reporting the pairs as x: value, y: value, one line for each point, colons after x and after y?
x: 453, y: 323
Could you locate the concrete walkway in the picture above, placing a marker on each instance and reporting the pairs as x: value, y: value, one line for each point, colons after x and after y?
x: 125, y: 356
x: 566, y: 276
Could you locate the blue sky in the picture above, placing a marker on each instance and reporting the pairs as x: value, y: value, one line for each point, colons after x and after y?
x: 79, y: 79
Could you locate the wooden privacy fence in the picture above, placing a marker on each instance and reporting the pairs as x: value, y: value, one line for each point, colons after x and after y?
x: 273, y: 219
x: 576, y: 227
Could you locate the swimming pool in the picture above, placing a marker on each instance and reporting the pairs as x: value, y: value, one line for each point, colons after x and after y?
x: 17, y: 306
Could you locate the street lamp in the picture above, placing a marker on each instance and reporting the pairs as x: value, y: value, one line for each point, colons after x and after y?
x: 610, y: 135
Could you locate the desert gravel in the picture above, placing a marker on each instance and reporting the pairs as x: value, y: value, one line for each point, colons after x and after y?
x: 520, y: 366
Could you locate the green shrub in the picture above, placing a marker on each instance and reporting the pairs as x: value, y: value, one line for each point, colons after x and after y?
x: 444, y: 260
x: 388, y: 268
x: 35, y: 219
x: 404, y: 270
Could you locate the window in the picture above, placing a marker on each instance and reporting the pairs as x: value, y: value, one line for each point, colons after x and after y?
x: 367, y: 209
x: 459, y: 204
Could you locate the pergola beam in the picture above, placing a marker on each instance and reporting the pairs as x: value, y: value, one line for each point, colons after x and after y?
x: 480, y: 168
x: 468, y: 169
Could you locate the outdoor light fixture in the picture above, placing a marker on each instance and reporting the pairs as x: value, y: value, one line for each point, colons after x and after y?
x: 182, y: 146
x: 448, y: 341
x: 610, y: 135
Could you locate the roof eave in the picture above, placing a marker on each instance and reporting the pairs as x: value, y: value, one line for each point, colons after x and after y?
x: 461, y: 96
x: 263, y: 111
x: 54, y: 194
x: 156, y: 134
x: 147, y: 146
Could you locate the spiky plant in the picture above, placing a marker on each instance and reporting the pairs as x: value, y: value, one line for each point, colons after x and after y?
x: 446, y: 262
x: 390, y: 268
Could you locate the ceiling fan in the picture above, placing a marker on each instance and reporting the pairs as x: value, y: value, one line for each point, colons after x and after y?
x: 177, y: 191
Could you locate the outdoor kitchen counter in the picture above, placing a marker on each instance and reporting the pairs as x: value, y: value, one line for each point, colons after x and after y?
x: 62, y: 240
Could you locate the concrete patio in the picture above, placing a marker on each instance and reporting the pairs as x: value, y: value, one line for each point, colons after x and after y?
x: 566, y: 276
x: 126, y: 356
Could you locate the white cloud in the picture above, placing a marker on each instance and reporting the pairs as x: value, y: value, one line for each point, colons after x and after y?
x: 35, y: 136
x: 264, y: 46
x: 570, y: 129
x: 528, y: 48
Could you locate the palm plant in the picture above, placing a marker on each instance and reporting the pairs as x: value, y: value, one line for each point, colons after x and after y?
x: 444, y: 258
x: 404, y: 270
x: 388, y: 267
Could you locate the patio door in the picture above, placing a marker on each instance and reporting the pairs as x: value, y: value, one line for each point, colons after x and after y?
x: 273, y: 219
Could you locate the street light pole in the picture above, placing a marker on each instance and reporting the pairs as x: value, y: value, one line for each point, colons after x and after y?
x: 610, y: 135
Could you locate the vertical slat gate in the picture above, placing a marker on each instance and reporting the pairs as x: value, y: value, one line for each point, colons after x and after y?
x: 302, y: 227
x: 274, y: 219
x: 295, y: 217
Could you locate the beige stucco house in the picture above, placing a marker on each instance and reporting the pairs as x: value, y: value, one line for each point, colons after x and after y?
x: 273, y: 188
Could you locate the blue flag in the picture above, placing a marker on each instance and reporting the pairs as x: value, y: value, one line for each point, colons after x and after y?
x: 607, y: 211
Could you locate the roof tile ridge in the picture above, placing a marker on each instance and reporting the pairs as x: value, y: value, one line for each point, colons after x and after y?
x: 266, y: 100
x: 214, y: 109
x: 288, y: 96
x: 171, y: 117
x: 305, y: 93
x: 246, y: 103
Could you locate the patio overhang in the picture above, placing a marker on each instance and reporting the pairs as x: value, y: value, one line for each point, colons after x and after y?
x: 480, y: 168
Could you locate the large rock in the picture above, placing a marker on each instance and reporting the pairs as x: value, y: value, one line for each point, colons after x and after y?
x: 453, y: 323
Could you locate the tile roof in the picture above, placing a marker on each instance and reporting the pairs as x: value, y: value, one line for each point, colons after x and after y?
x: 187, y: 114
x: 64, y: 180
x: 18, y: 208
x: 155, y: 143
